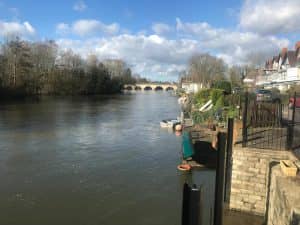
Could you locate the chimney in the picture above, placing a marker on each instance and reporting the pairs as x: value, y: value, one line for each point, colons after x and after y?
x: 297, y: 45
x: 283, y: 52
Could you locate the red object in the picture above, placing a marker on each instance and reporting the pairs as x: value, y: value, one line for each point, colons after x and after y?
x: 292, y: 102
x: 184, y: 167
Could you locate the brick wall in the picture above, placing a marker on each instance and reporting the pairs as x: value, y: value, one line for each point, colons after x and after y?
x: 250, y: 178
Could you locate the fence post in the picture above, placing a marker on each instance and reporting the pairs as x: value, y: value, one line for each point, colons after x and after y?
x: 228, y: 159
x: 280, y: 114
x: 292, y: 125
x: 245, y: 113
x: 219, y: 187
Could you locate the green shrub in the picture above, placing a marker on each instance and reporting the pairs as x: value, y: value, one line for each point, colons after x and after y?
x: 220, y: 102
x: 223, y: 85
x: 224, y: 106
x: 232, y: 112
x: 201, y: 117
x: 216, y: 94
x: 202, y: 96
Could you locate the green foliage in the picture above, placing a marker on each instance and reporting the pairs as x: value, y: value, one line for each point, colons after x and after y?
x: 201, y: 117
x: 29, y: 68
x: 219, y: 103
x: 232, y: 112
x: 202, y: 96
x: 223, y: 85
x: 216, y: 94
x: 224, y: 106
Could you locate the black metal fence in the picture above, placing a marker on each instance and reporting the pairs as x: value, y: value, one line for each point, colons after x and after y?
x: 270, y: 124
x: 291, y: 120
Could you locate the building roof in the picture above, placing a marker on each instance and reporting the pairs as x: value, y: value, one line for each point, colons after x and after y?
x: 291, y: 56
x: 275, y: 58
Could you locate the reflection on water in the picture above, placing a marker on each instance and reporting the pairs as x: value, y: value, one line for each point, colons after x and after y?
x: 90, y: 161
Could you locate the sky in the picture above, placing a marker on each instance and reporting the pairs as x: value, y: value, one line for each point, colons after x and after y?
x: 156, y: 38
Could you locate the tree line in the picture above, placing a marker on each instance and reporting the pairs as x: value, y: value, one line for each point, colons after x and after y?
x: 42, y: 68
x: 207, y: 69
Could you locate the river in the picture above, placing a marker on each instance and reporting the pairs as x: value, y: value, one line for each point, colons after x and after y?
x: 86, y: 161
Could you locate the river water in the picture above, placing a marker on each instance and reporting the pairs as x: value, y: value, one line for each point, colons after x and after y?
x: 101, y: 160
x: 86, y: 161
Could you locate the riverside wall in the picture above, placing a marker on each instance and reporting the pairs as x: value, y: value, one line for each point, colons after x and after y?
x: 251, y: 176
x: 284, y: 199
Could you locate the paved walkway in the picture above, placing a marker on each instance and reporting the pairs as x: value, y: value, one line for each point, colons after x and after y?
x: 238, y: 218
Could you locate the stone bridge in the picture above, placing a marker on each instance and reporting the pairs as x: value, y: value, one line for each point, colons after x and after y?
x: 150, y: 86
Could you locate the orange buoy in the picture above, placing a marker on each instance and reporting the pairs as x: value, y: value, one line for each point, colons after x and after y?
x: 178, y: 127
x: 184, y: 167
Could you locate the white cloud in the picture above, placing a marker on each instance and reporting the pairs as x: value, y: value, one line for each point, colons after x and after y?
x: 80, y: 6
x: 234, y: 47
x: 16, y: 28
x: 157, y: 55
x: 161, y: 28
x: 147, y: 55
x: 62, y: 28
x: 270, y: 16
x: 88, y: 28
x: 195, y: 29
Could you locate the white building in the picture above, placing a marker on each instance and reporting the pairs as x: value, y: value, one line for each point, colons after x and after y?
x: 282, y: 70
x: 191, y: 87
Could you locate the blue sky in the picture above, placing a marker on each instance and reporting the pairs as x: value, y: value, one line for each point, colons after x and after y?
x: 156, y: 38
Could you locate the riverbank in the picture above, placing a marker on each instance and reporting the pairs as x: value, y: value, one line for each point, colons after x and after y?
x: 252, y: 186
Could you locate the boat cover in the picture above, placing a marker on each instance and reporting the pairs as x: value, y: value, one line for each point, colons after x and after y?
x: 187, y: 146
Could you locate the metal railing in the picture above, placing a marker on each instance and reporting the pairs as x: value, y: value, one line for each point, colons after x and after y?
x: 264, y: 126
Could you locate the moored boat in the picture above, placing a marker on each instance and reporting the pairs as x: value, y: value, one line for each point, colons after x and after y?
x: 164, y: 124
x: 169, y: 123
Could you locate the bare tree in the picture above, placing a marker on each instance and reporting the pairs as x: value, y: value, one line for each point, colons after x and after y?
x: 204, y: 68
x: 236, y: 74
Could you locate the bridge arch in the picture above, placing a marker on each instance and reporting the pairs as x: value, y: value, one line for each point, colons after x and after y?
x: 158, y: 88
x: 129, y: 88
x: 169, y: 88
x: 148, y: 88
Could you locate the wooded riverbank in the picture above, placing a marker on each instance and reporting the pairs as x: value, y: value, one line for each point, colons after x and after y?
x: 42, y: 68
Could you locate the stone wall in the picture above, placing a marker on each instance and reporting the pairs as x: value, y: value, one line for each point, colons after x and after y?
x: 250, y: 178
x: 284, y: 199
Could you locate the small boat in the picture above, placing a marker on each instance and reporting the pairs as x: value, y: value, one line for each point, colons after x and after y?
x: 173, y: 123
x: 164, y: 124
x: 169, y: 123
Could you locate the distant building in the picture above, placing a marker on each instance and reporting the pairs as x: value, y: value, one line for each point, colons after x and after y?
x: 191, y: 87
x: 282, y: 70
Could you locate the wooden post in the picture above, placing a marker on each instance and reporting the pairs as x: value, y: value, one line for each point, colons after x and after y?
x: 219, y: 189
x: 195, y: 215
x: 191, y: 209
x: 185, y: 205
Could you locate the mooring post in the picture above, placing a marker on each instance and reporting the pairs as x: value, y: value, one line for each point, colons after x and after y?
x: 219, y: 186
x: 191, y: 205
x: 195, y: 210
x: 185, y: 205
x: 228, y: 159
x: 245, y: 113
